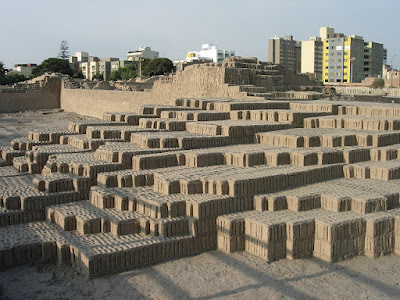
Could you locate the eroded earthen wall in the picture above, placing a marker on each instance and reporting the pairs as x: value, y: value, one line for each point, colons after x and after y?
x: 46, y: 98
x: 195, y: 81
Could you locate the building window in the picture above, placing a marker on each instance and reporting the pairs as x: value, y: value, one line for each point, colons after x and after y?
x: 345, y: 74
x: 338, y: 67
x: 344, y: 67
x: 326, y: 80
x: 344, y: 80
x: 338, y: 80
x: 331, y: 80
x: 339, y: 60
x: 332, y: 67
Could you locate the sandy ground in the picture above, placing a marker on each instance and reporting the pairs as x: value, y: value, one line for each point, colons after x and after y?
x: 214, y: 275
x: 13, y: 125
x: 210, y: 275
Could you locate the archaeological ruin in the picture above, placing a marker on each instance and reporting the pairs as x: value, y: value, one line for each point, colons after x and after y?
x: 229, y: 160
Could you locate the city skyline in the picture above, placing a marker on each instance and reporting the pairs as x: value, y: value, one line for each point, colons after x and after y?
x: 175, y: 27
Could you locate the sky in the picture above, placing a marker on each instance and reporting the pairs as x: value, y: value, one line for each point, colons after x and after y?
x: 31, y: 30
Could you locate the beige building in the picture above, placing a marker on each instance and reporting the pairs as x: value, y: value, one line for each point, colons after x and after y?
x: 85, y: 69
x: 311, y: 57
x: 327, y: 32
x: 285, y: 51
x: 94, y: 67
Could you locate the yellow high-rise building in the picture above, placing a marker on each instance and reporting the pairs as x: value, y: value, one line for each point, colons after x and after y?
x: 348, y: 59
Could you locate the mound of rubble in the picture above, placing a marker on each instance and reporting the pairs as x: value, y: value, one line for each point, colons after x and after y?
x: 275, y: 178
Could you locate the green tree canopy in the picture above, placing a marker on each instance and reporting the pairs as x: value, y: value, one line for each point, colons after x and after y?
x: 115, y: 75
x: 15, y: 77
x: 2, y: 71
x: 53, y: 65
x: 128, y: 72
x: 158, y: 66
x: 125, y: 73
x: 79, y: 75
x: 3, y: 79
x: 378, y: 83
x: 12, y: 77
x: 98, y: 76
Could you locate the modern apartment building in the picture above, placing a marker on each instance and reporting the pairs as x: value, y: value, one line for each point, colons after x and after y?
x: 348, y: 59
x: 105, y: 66
x: 142, y: 53
x: 115, y: 65
x: 311, y: 57
x: 85, y: 69
x: 343, y: 59
x: 285, y: 51
x: 82, y: 56
x: 209, y: 51
x: 374, y: 59
x: 94, y: 69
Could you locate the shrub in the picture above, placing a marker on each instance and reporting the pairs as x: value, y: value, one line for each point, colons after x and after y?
x: 378, y: 83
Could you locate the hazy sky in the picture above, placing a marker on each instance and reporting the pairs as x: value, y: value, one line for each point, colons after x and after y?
x: 31, y: 30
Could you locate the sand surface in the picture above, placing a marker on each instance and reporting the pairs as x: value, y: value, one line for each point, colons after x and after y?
x: 13, y: 125
x: 213, y: 275
x: 210, y: 275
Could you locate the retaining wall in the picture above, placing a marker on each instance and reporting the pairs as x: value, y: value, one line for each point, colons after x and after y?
x: 195, y: 81
x: 46, y: 98
x: 368, y: 91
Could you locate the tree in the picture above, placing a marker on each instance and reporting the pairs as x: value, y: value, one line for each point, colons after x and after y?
x: 53, y: 64
x: 115, y: 75
x: 12, y: 77
x: 378, y: 83
x: 128, y: 72
x: 3, y: 79
x: 98, y: 77
x: 64, y: 50
x: 125, y: 73
x: 79, y: 75
x: 15, y: 77
x: 158, y: 66
x: 2, y: 71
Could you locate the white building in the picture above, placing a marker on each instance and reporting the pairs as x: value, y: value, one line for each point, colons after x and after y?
x: 24, y: 69
x: 211, y: 52
x: 143, y: 52
x: 82, y: 56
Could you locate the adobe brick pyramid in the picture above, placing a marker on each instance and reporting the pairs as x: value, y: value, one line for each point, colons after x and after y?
x: 278, y: 179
